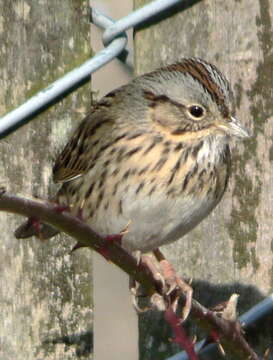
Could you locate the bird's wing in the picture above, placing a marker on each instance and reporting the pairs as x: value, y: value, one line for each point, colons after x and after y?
x: 83, y: 149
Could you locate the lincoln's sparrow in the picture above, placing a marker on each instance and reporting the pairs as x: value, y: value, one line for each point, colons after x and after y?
x: 151, y: 157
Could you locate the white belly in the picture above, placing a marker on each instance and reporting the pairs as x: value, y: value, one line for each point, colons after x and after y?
x: 153, y: 221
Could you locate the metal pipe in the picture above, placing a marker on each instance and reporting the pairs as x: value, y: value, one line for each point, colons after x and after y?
x: 248, y: 318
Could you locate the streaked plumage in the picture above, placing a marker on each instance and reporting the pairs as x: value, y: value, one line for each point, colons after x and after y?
x: 152, y: 157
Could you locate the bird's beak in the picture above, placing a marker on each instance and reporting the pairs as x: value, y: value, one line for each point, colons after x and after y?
x: 234, y: 128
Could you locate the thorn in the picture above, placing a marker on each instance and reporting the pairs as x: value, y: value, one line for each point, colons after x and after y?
x: 126, y: 229
x: 194, y: 339
x: 230, y: 311
x: 221, y: 349
x: 266, y: 354
x: 137, y: 254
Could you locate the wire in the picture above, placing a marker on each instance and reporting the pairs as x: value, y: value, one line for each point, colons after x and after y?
x: 115, y: 40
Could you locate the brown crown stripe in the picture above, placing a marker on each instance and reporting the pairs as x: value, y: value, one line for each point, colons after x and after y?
x: 198, y: 70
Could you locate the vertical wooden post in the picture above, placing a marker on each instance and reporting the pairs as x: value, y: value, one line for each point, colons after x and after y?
x: 44, y: 292
x: 115, y: 319
x: 231, y: 251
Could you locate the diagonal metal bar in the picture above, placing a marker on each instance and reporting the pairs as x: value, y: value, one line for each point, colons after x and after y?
x: 137, y: 17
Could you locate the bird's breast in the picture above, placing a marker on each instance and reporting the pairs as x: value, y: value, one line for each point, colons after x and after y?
x: 157, y: 193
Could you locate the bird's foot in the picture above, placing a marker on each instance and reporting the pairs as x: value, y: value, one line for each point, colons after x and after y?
x: 141, y: 300
x: 137, y: 293
x: 174, y: 285
x: 170, y: 286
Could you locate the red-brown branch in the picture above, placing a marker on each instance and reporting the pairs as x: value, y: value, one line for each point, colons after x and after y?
x: 229, y: 332
x: 180, y: 336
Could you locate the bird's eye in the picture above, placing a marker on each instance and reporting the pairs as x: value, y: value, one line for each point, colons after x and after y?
x: 196, y: 112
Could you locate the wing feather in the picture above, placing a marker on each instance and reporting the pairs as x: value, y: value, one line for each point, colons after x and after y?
x: 79, y: 154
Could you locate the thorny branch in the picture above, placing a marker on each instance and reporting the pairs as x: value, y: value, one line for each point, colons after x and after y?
x: 229, y: 332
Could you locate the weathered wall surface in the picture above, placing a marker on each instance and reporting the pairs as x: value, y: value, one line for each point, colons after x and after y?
x: 232, y: 249
x: 44, y: 292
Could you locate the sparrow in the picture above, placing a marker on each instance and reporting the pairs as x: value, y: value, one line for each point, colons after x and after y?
x: 152, y: 158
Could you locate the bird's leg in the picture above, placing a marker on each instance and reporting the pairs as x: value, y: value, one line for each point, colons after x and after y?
x: 169, y: 285
x: 147, y: 260
x: 175, y: 284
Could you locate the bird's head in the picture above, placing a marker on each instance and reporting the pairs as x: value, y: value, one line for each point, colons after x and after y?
x: 192, y: 97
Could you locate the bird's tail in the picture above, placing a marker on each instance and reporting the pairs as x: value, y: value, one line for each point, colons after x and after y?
x: 33, y: 227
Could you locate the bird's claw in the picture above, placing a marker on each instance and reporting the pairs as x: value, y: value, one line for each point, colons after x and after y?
x: 170, y: 285
x: 134, y: 288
